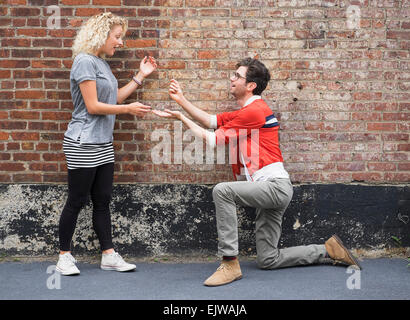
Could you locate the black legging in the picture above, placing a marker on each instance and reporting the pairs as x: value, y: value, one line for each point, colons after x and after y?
x: 82, y: 182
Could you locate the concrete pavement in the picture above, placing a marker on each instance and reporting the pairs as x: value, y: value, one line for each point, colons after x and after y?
x: 380, y: 279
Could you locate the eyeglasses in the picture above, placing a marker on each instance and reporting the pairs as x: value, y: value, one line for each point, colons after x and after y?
x: 235, y: 76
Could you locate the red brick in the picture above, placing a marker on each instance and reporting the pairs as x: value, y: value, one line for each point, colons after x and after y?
x: 352, y: 166
x: 24, y: 114
x: 13, y: 146
x: 11, y: 166
x: 398, y: 116
x: 31, y: 74
x: 143, y: 2
x: 5, y: 74
x: 200, y: 3
x: 367, y: 95
x: 55, y: 178
x: 381, y: 126
x: 403, y: 147
x: 24, y: 12
x: 43, y: 126
x: 395, y: 137
x: 19, y: 136
x: 27, y: 177
x: 5, y: 178
x: 215, y: 12
x: 173, y: 65
x: 381, y: 166
x: 46, y: 64
x: 397, y: 177
x: 366, y: 116
x: 27, y: 146
x: 46, y: 115
x: 12, y: 42
x: 54, y: 157
x: 26, y: 156
x: 42, y: 146
x: 211, y: 54
x: 106, y: 2
x: 43, y: 167
x: 403, y: 166
x: 402, y: 35
x: 87, y: 12
x: 30, y: 94
x: 367, y: 176
x: 14, y: 64
x: 141, y: 43
x: 74, y: 2
x: 4, y: 135
x: 148, y: 12
x: 32, y: 32
x: 57, y: 53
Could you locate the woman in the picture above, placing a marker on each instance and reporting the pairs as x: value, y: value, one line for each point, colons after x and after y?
x: 88, y: 140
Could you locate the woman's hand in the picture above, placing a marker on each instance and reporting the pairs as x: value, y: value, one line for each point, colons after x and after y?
x: 175, y: 91
x: 168, y: 114
x: 147, y: 66
x: 138, y: 109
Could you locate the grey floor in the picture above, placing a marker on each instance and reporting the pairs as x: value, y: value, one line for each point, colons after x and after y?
x: 380, y: 279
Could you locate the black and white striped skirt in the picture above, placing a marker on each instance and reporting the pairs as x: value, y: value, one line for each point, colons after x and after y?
x: 87, y: 155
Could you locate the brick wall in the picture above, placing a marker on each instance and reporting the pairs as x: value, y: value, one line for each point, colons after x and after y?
x: 340, y: 84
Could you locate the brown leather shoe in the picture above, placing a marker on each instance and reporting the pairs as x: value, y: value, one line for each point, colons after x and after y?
x: 228, y: 271
x: 338, y: 252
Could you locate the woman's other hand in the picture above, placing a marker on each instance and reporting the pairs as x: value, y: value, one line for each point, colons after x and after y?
x: 147, y: 66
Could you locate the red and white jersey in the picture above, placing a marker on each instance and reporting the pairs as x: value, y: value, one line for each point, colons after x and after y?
x: 252, y: 134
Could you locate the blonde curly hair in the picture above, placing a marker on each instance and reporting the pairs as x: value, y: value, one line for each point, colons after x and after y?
x: 94, y: 32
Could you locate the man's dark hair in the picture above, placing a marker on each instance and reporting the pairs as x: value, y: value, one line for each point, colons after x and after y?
x: 257, y: 72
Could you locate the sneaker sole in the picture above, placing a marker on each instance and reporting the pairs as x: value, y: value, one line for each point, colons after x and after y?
x: 111, y: 268
x: 348, y: 252
x: 66, y: 273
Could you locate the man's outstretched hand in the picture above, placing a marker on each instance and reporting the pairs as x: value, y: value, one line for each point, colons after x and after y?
x: 167, y: 114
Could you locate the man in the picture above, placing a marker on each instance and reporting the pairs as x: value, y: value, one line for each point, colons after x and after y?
x: 266, y: 184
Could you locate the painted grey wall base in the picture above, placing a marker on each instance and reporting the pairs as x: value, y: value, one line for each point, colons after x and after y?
x: 151, y: 220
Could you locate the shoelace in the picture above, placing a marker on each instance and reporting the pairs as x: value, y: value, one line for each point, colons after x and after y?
x: 117, y: 256
x: 223, y: 266
x: 70, y: 258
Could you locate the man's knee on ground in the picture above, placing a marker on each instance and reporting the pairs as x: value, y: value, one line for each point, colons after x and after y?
x: 266, y: 262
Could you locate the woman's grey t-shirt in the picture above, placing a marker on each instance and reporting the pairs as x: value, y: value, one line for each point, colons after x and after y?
x: 91, y: 128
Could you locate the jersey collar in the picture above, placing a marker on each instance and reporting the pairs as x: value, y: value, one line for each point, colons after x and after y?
x: 252, y: 99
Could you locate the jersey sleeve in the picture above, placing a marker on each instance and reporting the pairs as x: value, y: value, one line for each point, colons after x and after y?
x: 225, y: 117
x: 232, y: 125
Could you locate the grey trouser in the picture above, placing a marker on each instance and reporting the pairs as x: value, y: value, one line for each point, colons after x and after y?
x: 270, y: 198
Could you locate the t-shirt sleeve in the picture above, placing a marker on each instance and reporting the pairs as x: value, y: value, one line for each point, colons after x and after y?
x: 83, y: 69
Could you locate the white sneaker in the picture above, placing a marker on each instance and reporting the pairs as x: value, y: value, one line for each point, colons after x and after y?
x: 113, y: 261
x: 66, y: 264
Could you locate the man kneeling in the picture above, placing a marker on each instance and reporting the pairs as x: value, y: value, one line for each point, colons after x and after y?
x: 262, y: 181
